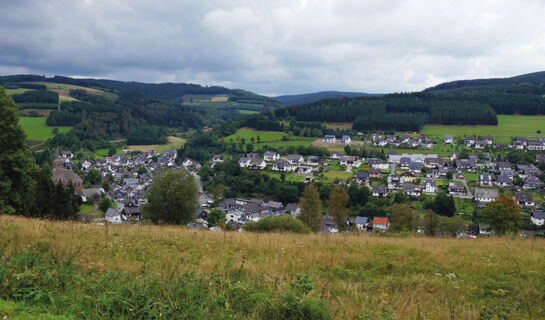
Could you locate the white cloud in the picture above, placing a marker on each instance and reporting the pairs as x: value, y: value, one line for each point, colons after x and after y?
x: 276, y: 46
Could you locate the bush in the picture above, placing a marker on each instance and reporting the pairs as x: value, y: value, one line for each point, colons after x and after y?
x: 277, y: 224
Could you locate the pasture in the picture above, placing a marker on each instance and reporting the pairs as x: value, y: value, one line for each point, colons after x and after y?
x: 508, y: 126
x: 173, y: 142
x: 37, y: 129
x: 10, y: 92
x: 248, y: 112
x: 289, y: 176
x: 247, y: 134
x: 332, y: 175
x: 272, y: 139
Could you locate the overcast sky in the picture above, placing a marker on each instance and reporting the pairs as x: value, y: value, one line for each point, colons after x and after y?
x: 275, y: 47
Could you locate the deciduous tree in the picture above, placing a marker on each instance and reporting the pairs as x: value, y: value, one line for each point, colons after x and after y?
x: 431, y: 224
x: 502, y: 215
x: 310, y: 208
x: 338, y: 200
x: 402, y: 218
x: 172, y: 198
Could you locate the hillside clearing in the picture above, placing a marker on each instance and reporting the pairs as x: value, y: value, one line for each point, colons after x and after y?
x: 64, y: 90
x: 409, y: 278
x: 173, y: 142
x: 10, y: 92
x: 248, y: 111
x: 36, y: 128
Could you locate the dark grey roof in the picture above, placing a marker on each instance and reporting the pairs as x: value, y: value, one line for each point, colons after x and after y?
x: 538, y: 214
x: 361, y: 220
x: 524, y: 196
x: 111, y: 212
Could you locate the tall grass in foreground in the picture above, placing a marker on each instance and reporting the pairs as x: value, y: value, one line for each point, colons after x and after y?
x: 141, y: 272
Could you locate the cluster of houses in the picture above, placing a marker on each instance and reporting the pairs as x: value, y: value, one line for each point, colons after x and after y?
x: 518, y: 143
x: 239, y: 211
x: 328, y: 138
x: 128, y: 182
x: 423, y: 141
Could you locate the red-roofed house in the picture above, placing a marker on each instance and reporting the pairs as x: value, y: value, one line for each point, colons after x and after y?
x: 380, y: 223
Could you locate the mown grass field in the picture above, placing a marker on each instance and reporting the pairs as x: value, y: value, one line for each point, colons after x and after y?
x: 55, y: 270
x: 37, y: 129
x: 248, y: 134
x: 173, y: 142
x: 270, y: 138
x: 508, y: 126
x: 332, y: 175
x: 247, y: 112
x: 290, y: 176
x: 10, y: 92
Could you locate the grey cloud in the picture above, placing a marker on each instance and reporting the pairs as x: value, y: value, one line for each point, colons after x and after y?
x: 275, y: 47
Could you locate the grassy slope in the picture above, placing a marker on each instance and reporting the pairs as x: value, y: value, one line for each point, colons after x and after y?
x: 270, y: 138
x: 173, y: 142
x: 508, y: 126
x: 248, y: 111
x: 37, y: 129
x: 405, y: 276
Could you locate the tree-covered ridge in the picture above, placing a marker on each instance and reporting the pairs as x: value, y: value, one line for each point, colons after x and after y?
x: 535, y: 78
x: 403, y: 112
x: 163, y: 91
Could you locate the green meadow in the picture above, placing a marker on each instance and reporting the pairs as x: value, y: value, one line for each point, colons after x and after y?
x: 63, y: 270
x: 37, y: 129
x: 270, y: 138
x: 508, y: 126
x: 247, y: 112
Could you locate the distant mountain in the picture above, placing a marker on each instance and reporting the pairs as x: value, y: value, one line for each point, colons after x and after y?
x: 535, y: 79
x: 291, y: 100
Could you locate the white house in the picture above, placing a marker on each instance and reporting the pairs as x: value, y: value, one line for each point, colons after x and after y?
x: 113, y: 216
x: 257, y: 164
x: 449, y: 138
x: 271, y: 156
x: 485, y: 195
x: 380, y: 223
x: 244, y: 162
x: 330, y: 138
x: 428, y: 186
x: 538, y: 217
x: 187, y: 162
x: 295, y: 159
x: 349, y: 161
x: 361, y: 223
x: 283, y: 165
x: 345, y: 139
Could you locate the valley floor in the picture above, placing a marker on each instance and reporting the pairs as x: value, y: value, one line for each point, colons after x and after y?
x: 72, y: 270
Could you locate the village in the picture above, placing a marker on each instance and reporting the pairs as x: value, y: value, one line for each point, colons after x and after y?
x: 478, y: 177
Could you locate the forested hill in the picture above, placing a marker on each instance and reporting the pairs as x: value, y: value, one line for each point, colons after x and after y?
x: 142, y: 113
x: 291, y: 100
x: 176, y: 92
x: 467, y: 102
x: 535, y: 79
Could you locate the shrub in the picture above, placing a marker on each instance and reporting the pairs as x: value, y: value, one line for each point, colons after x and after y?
x: 277, y: 224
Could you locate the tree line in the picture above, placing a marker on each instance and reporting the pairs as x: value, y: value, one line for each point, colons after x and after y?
x: 26, y: 188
